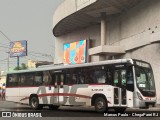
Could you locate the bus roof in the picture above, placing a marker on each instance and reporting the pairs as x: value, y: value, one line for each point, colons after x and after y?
x: 62, y: 66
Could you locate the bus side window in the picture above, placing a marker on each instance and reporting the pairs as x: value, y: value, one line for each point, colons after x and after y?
x: 72, y: 76
x: 38, y: 79
x: 100, y: 76
x: 53, y: 78
x: 116, y: 78
x: 81, y: 76
x: 29, y: 79
x: 46, y: 78
x: 88, y: 76
x: 26, y: 79
x: 22, y: 80
x: 68, y: 81
x: 109, y: 80
x: 62, y: 77
x: 13, y: 80
x: 130, y: 80
x: 56, y: 80
x: 81, y: 79
x: 74, y: 79
x: 123, y: 78
x: 88, y: 79
x: 16, y: 79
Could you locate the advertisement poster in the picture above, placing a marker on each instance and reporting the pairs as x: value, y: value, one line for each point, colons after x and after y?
x: 75, y: 53
x: 18, y: 48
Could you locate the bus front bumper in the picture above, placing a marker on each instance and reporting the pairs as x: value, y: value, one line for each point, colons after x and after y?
x: 144, y: 103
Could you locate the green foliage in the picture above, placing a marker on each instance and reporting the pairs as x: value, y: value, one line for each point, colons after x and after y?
x: 22, y: 67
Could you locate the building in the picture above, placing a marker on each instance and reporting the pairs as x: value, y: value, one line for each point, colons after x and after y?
x: 115, y: 28
x: 34, y: 64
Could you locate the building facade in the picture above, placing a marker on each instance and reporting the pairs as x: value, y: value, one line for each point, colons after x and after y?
x: 35, y: 64
x: 115, y: 28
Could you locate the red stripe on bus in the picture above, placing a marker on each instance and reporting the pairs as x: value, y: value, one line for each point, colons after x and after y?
x: 60, y: 94
x: 28, y: 86
x: 64, y: 94
x: 22, y: 86
x: 51, y: 85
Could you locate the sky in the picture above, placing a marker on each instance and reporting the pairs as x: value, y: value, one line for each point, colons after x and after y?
x: 30, y: 20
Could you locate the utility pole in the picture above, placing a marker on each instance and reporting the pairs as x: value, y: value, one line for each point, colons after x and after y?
x: 18, y: 62
x: 6, y: 52
x: 8, y: 61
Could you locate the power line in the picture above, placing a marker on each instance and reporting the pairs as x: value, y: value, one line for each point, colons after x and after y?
x: 3, y: 49
x: 11, y: 61
x: 5, y: 36
x: 4, y: 59
x: 43, y: 54
x: 37, y: 56
x: 10, y: 64
x: 6, y: 46
x: 35, y: 52
x: 3, y: 46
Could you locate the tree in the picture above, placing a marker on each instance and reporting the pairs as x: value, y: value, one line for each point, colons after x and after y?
x: 22, y: 67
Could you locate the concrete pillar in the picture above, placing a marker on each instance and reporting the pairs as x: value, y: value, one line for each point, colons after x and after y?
x: 103, y: 34
x: 103, y: 28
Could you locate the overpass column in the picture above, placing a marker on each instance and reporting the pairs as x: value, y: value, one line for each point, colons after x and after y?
x: 103, y: 28
x: 103, y: 34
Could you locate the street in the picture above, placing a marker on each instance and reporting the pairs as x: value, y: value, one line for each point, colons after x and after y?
x: 64, y: 111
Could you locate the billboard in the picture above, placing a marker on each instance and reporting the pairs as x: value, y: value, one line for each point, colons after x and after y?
x: 18, y: 48
x: 75, y: 53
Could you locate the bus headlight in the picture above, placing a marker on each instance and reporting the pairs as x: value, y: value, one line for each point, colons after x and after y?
x: 139, y: 96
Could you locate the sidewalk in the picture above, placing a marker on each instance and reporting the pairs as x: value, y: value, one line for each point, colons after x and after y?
x: 1, y: 99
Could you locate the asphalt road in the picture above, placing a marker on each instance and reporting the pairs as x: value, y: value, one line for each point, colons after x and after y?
x: 71, y: 112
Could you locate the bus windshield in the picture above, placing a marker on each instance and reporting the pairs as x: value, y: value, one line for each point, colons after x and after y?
x: 145, y: 79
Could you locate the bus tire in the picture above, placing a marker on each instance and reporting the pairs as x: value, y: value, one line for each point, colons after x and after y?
x: 53, y: 107
x: 34, y: 103
x: 101, y: 105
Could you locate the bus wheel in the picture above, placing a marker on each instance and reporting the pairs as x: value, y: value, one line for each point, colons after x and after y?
x: 34, y: 103
x: 101, y: 105
x: 53, y: 107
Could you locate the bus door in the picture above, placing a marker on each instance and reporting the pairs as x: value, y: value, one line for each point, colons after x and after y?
x: 58, y: 88
x: 120, y: 92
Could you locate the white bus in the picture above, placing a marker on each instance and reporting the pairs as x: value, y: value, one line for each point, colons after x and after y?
x: 117, y: 84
